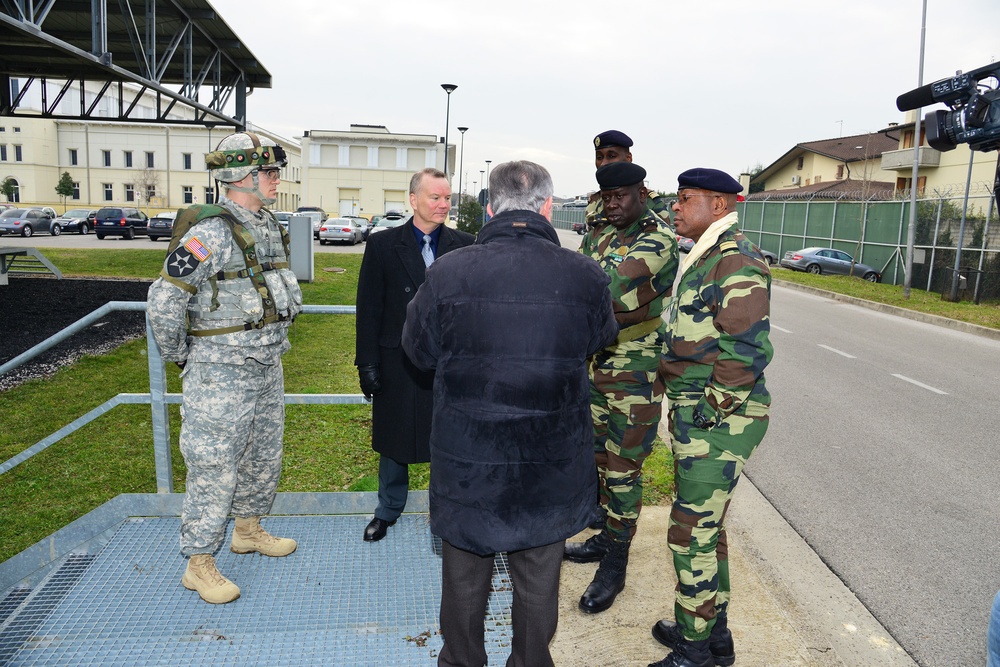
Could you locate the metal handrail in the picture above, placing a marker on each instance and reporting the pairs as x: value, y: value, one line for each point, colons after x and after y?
x: 157, y: 398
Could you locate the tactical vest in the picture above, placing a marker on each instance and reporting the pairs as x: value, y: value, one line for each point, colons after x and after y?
x: 246, y: 294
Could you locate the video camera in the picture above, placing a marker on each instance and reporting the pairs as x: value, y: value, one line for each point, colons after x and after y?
x: 974, y: 117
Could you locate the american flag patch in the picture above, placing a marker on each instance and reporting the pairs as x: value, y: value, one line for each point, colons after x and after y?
x: 195, y: 247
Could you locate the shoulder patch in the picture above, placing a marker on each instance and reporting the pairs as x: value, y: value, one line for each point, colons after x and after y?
x: 181, y: 263
x: 729, y: 247
x: 195, y: 247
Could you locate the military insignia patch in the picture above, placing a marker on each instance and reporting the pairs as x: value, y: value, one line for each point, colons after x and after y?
x: 181, y: 263
x: 195, y: 247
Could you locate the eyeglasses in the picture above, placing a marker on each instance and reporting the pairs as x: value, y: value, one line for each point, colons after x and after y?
x: 273, y: 174
x: 683, y: 199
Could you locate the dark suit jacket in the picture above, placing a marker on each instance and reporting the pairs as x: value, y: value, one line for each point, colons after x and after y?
x: 391, y: 272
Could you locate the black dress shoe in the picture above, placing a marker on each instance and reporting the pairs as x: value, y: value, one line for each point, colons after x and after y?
x: 376, y: 528
x: 720, y: 642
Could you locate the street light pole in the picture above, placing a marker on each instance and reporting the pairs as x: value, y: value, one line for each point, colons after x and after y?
x: 461, y: 161
x: 448, y: 88
x: 482, y: 180
x: 488, y: 181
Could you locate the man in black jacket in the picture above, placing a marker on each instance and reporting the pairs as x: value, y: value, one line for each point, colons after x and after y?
x: 508, y: 324
x: 392, y: 269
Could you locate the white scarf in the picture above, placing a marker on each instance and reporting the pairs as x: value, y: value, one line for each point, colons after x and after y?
x: 708, y: 240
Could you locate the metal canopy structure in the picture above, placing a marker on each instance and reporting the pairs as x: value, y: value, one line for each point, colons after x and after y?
x: 178, y: 50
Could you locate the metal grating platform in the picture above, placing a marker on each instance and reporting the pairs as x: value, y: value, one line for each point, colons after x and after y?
x: 335, y: 601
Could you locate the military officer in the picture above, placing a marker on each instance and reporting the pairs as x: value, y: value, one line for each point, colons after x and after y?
x: 717, y: 348
x: 613, y: 146
x: 221, y: 310
x: 639, y: 252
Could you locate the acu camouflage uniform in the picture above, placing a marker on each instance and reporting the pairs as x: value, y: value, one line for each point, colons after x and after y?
x: 717, y: 349
x: 626, y: 390
x: 222, y: 305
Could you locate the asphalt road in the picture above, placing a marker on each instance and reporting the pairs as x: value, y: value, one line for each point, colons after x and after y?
x: 882, y: 453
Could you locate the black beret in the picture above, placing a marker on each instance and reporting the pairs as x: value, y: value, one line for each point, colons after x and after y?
x: 612, y: 138
x: 620, y: 174
x: 708, y: 179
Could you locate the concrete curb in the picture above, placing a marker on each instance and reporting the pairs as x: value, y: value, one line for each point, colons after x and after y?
x: 936, y: 320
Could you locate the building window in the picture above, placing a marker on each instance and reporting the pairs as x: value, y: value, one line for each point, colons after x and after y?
x: 149, y: 160
x: 3, y: 152
x: 129, y: 192
x: 76, y: 190
x: 73, y: 157
x: 106, y: 158
x: 128, y: 159
x: 187, y: 160
x: 17, y: 129
x: 188, y: 194
x: 840, y: 171
x: 800, y: 163
x: 819, y: 178
x: 17, y: 153
x: 209, y: 196
x: 108, y: 192
x: 150, y: 192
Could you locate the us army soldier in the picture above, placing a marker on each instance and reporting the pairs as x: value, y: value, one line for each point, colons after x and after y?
x: 639, y: 252
x: 221, y: 310
x: 717, y: 347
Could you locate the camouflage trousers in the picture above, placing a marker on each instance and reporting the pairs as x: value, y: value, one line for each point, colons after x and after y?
x: 707, y: 466
x: 233, y: 421
x: 626, y: 397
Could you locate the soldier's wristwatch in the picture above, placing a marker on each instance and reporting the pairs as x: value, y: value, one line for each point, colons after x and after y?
x: 701, y: 421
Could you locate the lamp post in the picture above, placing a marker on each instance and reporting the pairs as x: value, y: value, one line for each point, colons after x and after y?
x: 488, y: 181
x: 461, y: 161
x: 448, y: 88
x: 483, y: 181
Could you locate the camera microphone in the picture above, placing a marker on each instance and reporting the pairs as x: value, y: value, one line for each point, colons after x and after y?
x: 916, y: 98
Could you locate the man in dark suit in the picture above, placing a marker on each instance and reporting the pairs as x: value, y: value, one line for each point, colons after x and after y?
x: 392, y: 269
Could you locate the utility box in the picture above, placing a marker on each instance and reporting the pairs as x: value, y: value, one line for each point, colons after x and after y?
x: 300, y: 229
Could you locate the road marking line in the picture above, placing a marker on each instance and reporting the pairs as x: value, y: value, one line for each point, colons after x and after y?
x: 775, y: 326
x: 920, y: 384
x: 836, y: 351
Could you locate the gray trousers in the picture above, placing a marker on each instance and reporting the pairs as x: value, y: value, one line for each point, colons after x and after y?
x: 465, y: 589
x: 393, y: 487
x: 233, y: 423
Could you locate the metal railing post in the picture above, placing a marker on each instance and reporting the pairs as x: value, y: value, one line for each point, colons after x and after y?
x: 161, y: 417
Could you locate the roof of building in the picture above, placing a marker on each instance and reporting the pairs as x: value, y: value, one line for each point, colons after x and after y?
x: 843, y: 149
x: 849, y: 189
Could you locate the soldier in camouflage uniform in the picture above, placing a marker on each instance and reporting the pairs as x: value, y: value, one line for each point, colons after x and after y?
x: 639, y: 252
x: 717, y: 349
x: 221, y: 309
x: 613, y: 146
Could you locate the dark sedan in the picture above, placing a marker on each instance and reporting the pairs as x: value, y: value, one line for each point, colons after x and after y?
x: 79, y: 220
x: 828, y: 260
x: 161, y: 226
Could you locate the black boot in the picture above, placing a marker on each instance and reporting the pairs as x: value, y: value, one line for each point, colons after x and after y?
x: 687, y: 654
x: 609, y: 580
x: 720, y: 642
x: 590, y: 551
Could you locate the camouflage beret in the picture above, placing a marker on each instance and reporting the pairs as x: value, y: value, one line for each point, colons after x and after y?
x: 712, y: 180
x: 612, y: 138
x: 620, y: 174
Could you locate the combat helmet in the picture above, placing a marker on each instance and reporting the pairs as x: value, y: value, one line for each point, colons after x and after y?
x: 244, y: 153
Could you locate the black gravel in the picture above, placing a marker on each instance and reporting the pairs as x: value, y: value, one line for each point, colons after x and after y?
x: 32, y: 309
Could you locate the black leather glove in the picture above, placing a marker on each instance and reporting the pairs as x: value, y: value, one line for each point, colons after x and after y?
x: 370, y: 379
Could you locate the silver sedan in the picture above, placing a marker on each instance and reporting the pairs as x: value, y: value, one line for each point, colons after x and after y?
x: 828, y: 260
x: 344, y: 230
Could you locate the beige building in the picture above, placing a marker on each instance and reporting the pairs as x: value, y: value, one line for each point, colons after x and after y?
x: 157, y: 166
x: 365, y: 170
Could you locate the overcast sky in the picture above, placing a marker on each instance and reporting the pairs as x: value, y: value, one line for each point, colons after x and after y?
x: 718, y: 83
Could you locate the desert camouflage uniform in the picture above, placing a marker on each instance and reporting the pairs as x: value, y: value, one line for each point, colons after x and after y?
x: 626, y: 390
x: 233, y: 411
x: 717, y: 349
x: 655, y: 202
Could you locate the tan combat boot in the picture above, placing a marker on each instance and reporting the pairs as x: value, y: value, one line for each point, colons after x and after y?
x: 202, y: 576
x: 249, y: 536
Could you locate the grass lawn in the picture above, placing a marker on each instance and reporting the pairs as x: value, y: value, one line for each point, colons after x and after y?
x: 327, y: 448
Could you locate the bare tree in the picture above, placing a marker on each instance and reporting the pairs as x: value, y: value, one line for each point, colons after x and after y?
x: 146, y: 182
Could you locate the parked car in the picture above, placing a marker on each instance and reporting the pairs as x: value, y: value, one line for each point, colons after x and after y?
x: 388, y: 221
x: 283, y: 217
x: 580, y: 227
x: 684, y: 244
x: 5, y: 206
x: 828, y: 260
x: 770, y: 257
x: 122, y: 221
x: 27, y: 221
x: 346, y: 230
x: 161, y: 226
x: 317, y: 220
x: 79, y: 220
x: 366, y: 225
